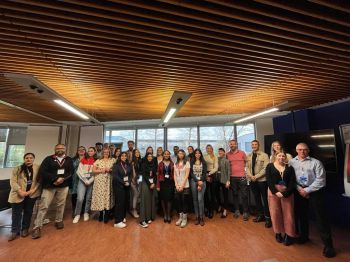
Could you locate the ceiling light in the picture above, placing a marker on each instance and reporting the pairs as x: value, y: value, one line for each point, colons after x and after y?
x: 70, y: 108
x: 322, y: 136
x: 325, y: 146
x: 274, y: 109
x: 169, y: 115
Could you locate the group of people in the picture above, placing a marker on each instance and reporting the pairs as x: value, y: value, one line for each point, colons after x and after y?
x: 111, y: 182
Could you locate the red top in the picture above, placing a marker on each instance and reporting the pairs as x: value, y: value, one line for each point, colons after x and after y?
x: 160, y: 172
x: 89, y: 161
x: 237, y: 162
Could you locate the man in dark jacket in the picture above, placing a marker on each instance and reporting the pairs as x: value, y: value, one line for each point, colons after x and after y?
x: 54, y: 176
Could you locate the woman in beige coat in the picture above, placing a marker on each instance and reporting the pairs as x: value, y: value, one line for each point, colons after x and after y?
x: 23, y: 194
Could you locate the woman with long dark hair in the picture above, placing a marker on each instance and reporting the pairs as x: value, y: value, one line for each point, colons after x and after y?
x: 181, y: 174
x: 165, y: 185
x: 85, y: 184
x: 148, y: 202
x: 136, y: 173
x: 190, y: 151
x: 121, y: 174
x: 198, y: 174
x: 24, y: 192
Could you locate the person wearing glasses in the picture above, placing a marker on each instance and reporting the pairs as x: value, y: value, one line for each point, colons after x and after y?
x: 311, y: 182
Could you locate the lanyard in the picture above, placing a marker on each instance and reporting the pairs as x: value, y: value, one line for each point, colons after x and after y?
x: 60, y: 163
x: 124, y: 168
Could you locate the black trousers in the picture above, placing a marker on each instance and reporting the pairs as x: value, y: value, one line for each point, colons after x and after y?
x: 122, y: 196
x: 183, y: 199
x: 260, y: 195
x: 22, y: 214
x: 225, y: 192
x: 315, y: 202
x: 212, y: 195
x: 240, y: 189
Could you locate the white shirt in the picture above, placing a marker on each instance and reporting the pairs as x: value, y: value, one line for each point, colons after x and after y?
x: 180, y: 174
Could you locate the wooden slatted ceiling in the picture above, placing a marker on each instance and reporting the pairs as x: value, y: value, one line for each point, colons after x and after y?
x: 121, y: 60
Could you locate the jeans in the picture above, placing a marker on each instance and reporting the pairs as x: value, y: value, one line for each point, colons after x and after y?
x: 239, y: 188
x: 81, y: 191
x: 48, y: 194
x: 260, y: 195
x: 135, y: 192
x: 198, y: 198
x: 22, y: 221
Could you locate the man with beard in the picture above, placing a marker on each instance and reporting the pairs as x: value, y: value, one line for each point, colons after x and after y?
x: 54, y: 176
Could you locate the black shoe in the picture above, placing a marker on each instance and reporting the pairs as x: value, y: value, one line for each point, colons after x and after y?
x: 59, y: 225
x: 288, y: 240
x: 201, y: 221
x: 12, y: 236
x: 197, y: 221
x: 210, y: 214
x: 268, y: 223
x: 329, y: 252
x: 106, y: 217
x: 100, y: 217
x: 279, y: 238
x: 259, y: 219
x: 165, y: 220
x: 169, y: 220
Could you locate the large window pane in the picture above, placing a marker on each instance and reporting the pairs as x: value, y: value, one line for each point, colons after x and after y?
x: 15, y: 155
x: 2, y: 153
x: 182, y: 137
x: 217, y: 136
x: 245, y: 134
x: 121, y: 137
x: 107, y: 135
x: 150, y: 137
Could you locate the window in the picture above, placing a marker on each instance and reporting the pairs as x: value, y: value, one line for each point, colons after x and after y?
x: 15, y: 155
x: 217, y: 136
x: 2, y: 153
x: 107, y: 136
x: 150, y: 137
x: 12, y: 146
x: 121, y: 138
x: 245, y: 134
x: 182, y: 137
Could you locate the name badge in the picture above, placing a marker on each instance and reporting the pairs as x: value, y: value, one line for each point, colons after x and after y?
x: 150, y: 180
x: 140, y: 179
x: 166, y: 176
x: 60, y: 171
x: 126, y: 179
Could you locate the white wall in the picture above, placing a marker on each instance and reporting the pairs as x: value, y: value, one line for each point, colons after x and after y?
x: 263, y: 127
x: 89, y: 135
x: 41, y: 141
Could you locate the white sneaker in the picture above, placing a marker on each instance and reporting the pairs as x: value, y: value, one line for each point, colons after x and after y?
x: 76, y: 219
x: 149, y: 221
x: 120, y: 225
x: 134, y: 214
x: 144, y: 224
x: 124, y: 220
x: 86, y: 216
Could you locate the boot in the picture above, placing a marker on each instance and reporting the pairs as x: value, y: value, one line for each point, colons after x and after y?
x: 184, y: 220
x: 201, y: 221
x: 36, y: 233
x: 100, y: 217
x: 179, y: 221
x: 197, y: 221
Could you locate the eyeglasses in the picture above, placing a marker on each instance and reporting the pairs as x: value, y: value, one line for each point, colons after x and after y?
x: 302, y: 149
